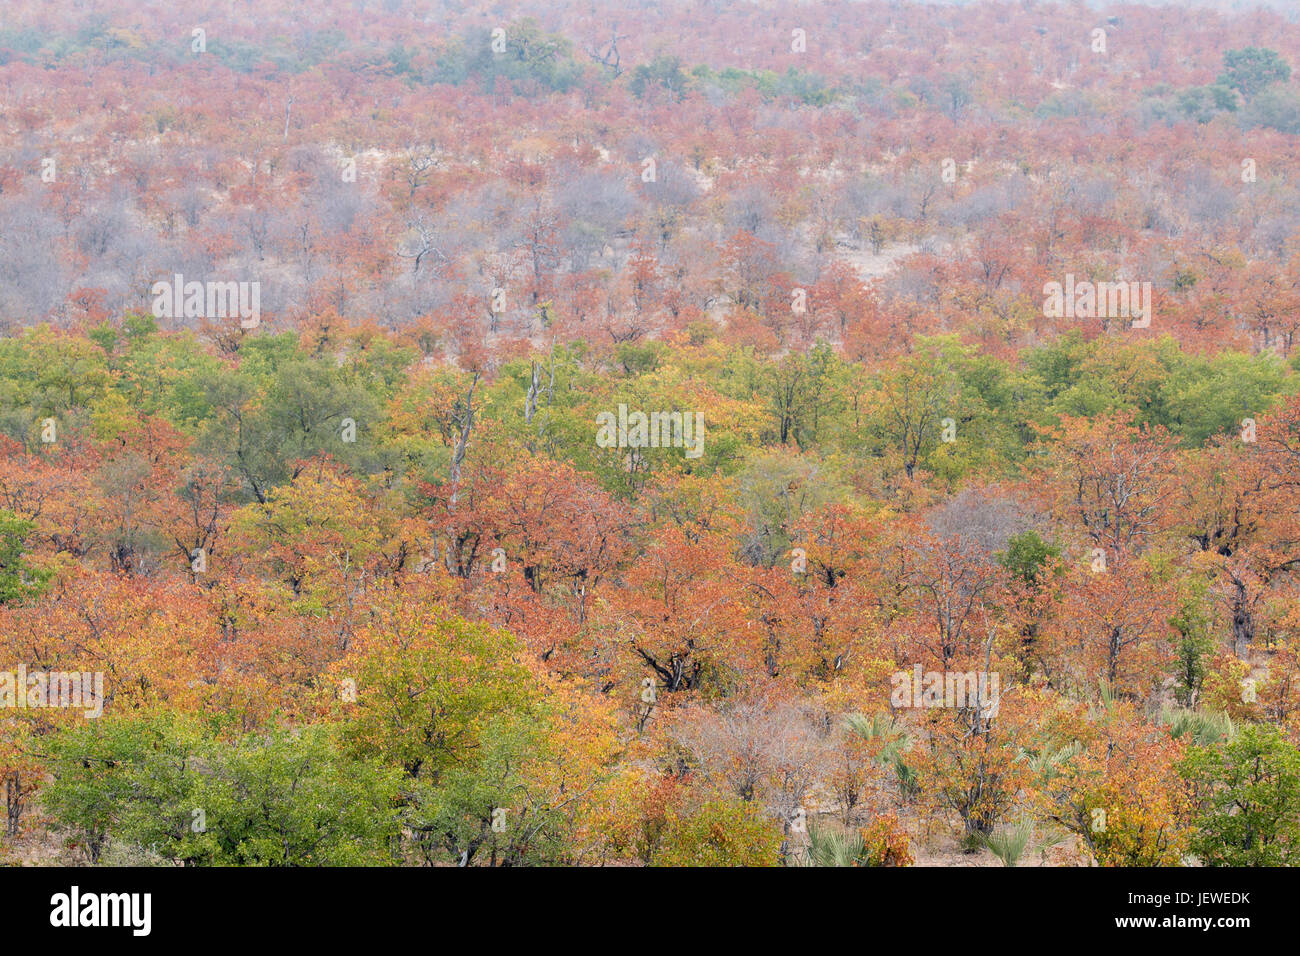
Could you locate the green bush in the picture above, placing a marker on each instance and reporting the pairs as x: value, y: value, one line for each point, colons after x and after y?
x: 721, y: 833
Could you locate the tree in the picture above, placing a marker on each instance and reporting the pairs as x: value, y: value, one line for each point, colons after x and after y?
x: 176, y: 793
x: 663, y: 73
x: 915, y: 395
x: 1109, y: 629
x: 19, y: 579
x: 493, y: 761
x: 1117, y: 788
x: 1111, y: 481
x: 1251, y: 69
x: 1248, y: 799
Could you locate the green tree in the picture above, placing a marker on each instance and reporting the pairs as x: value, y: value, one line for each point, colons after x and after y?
x: 488, y: 773
x: 663, y: 72
x: 1203, y: 396
x: 280, y: 410
x: 1249, y: 799
x: 169, y: 786
x: 1027, y: 555
x: 1251, y: 69
x: 1277, y: 107
x: 18, y: 579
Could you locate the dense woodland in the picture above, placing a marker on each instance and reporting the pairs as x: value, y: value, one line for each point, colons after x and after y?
x: 366, y: 587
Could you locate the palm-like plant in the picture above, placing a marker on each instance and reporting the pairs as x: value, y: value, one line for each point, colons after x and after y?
x: 1206, y: 727
x: 1009, y: 844
x: 829, y: 848
x: 896, y: 743
x: 1047, y: 764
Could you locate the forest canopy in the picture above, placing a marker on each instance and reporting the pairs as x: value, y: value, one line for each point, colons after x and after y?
x: 857, y: 433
